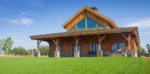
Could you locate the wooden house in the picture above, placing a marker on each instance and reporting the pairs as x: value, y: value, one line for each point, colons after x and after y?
x: 89, y: 33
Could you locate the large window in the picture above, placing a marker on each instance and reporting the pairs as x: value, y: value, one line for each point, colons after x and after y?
x: 86, y: 23
x: 78, y: 47
x: 81, y: 24
x: 94, y: 47
x: 117, y: 46
x: 91, y: 23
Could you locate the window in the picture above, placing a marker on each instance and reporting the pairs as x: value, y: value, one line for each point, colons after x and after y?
x: 81, y: 24
x: 117, y: 46
x: 114, y: 47
x: 94, y: 47
x: 91, y: 47
x: 91, y: 23
x: 78, y: 47
x: 86, y: 23
x: 97, y: 47
x: 121, y: 45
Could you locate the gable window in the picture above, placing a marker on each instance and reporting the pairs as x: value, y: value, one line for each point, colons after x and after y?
x: 91, y: 23
x: 81, y: 24
x: 86, y: 23
x: 117, y: 46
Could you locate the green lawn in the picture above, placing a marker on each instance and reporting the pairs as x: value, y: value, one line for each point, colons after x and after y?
x: 97, y: 65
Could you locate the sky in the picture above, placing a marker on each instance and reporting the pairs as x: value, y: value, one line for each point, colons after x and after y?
x: 23, y: 18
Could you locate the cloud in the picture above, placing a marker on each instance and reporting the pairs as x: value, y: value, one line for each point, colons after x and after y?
x: 21, y: 21
x: 142, y: 23
x: 41, y: 4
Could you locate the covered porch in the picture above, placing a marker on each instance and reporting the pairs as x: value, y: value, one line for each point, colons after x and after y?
x: 98, y: 42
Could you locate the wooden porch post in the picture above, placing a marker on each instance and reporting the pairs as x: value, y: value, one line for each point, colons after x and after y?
x: 76, y: 51
x: 135, y: 48
x: 99, y: 52
x: 57, y: 51
x: 128, y: 45
x: 37, y: 53
x: 129, y: 42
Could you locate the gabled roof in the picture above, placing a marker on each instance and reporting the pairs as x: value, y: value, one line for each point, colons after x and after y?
x: 87, y: 9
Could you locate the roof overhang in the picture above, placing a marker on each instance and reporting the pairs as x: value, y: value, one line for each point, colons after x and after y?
x: 132, y: 30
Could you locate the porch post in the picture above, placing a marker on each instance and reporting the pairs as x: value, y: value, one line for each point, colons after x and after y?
x: 129, y: 42
x: 57, y: 51
x: 135, y: 48
x: 37, y: 52
x: 99, y: 52
x: 76, y: 51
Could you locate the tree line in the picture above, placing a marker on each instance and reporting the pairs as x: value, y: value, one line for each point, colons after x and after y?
x: 7, y: 43
x: 143, y: 52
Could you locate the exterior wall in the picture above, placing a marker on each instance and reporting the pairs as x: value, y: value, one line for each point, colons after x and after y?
x: 110, y: 39
x: 85, y: 41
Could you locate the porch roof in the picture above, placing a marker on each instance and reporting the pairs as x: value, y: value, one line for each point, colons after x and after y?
x: 132, y: 30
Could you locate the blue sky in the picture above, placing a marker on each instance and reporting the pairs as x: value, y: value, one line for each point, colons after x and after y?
x: 23, y: 18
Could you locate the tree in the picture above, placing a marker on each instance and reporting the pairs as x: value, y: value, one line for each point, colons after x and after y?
x: 7, y: 45
x: 2, y: 43
x: 141, y: 52
x: 148, y: 49
x: 19, y: 51
x: 44, y: 50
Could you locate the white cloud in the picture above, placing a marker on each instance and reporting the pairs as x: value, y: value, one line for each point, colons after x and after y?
x: 21, y: 21
x: 142, y: 23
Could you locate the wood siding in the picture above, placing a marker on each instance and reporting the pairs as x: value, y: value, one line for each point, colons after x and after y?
x: 85, y: 41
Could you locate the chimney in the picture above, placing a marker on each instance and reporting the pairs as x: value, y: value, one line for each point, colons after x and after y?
x: 94, y: 8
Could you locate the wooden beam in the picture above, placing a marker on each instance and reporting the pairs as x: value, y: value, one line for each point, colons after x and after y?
x: 76, y: 44
x: 54, y: 41
x: 38, y: 43
x: 102, y: 38
x: 126, y: 38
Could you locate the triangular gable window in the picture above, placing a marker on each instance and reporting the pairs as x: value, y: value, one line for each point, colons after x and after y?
x: 86, y: 23
x: 81, y: 24
x: 91, y: 23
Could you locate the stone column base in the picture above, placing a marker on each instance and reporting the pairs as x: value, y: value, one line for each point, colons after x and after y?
x: 57, y: 54
x: 99, y: 53
x: 37, y: 53
x: 135, y: 54
x: 76, y: 53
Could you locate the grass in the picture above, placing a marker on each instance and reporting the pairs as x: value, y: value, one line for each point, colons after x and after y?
x: 97, y: 65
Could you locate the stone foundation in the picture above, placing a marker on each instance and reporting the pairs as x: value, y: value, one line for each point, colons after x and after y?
x: 37, y: 53
x: 135, y: 54
x: 76, y: 53
x: 57, y: 54
x: 99, y: 53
